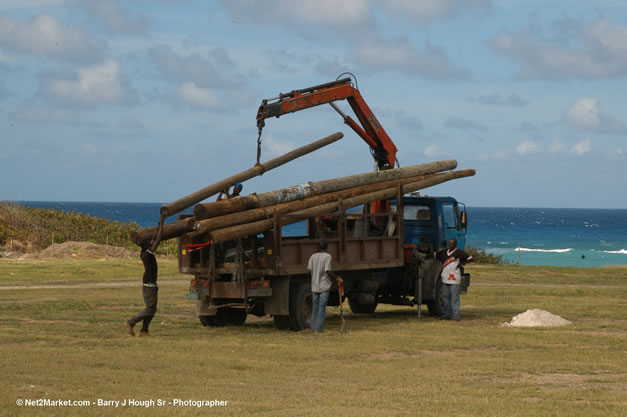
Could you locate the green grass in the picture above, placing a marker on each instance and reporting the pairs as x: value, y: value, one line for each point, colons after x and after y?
x: 68, y: 343
x: 79, y: 271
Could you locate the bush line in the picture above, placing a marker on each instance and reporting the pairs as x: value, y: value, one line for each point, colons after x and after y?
x: 40, y: 228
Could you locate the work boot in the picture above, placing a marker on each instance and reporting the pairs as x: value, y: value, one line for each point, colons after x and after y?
x: 129, y: 329
x: 144, y: 333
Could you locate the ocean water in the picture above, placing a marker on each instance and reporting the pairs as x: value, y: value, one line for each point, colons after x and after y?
x: 550, y: 236
x: 531, y: 236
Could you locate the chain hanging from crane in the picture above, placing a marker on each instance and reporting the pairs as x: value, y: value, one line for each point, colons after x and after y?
x: 259, y: 146
x: 260, y: 125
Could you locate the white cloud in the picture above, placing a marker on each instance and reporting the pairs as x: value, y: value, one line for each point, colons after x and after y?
x: 575, y: 50
x: 403, y: 56
x: 527, y: 127
x: 408, y: 121
x: 113, y: 16
x: 483, y: 156
x: 345, y: 13
x: 299, y: 12
x: 582, y: 147
x: 3, y: 90
x: 527, y: 146
x: 273, y: 147
x: 455, y: 122
x: 427, y: 10
x: 557, y: 146
x: 617, y: 153
x: 46, y: 36
x: 21, y: 4
x: 193, y: 67
x: 586, y: 114
x: 497, y: 99
x: 194, y: 96
x: 613, y: 38
x: 354, y: 22
x: 90, y: 148
x: 131, y: 123
x: 433, y: 151
x: 41, y: 115
x: 498, y: 154
x: 91, y: 86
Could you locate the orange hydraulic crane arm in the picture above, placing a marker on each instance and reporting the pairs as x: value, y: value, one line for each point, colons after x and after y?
x: 371, y: 131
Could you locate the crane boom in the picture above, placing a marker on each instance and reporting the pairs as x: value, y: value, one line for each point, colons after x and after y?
x: 370, y: 130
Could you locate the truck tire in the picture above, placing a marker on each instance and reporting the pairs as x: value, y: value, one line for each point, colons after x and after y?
x: 359, y: 307
x: 300, y: 306
x: 232, y: 316
x: 436, y: 306
x: 225, y: 317
x: 206, y: 320
x: 282, y: 322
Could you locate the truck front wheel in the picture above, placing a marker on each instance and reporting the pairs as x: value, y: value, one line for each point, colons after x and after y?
x: 436, y: 306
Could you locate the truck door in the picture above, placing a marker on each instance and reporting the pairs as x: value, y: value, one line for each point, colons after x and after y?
x: 451, y: 224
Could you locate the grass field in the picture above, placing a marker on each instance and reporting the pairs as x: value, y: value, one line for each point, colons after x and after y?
x: 61, y: 338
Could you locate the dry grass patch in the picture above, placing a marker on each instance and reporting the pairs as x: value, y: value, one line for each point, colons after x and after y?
x: 69, y: 344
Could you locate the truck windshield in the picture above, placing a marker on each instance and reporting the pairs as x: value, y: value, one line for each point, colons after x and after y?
x: 450, y: 215
x: 416, y: 213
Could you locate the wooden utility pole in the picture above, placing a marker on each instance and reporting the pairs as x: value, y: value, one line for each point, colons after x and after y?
x: 297, y: 192
x: 242, y: 230
x: 197, y: 196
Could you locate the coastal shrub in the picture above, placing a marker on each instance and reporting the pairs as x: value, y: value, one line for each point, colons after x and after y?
x: 39, y: 228
x: 5, y: 233
x: 482, y: 257
x: 42, y: 227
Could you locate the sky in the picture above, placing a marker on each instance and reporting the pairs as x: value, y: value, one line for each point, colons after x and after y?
x: 147, y: 101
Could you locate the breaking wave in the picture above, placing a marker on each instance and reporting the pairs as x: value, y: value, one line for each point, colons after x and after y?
x: 622, y: 251
x: 543, y: 250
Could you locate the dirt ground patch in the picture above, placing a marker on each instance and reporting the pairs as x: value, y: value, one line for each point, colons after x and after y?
x: 84, y: 250
x: 74, y: 250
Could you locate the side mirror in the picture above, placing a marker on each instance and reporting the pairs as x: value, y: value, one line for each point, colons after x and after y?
x: 464, y: 221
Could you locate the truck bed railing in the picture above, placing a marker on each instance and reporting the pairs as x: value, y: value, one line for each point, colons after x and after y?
x: 355, y: 241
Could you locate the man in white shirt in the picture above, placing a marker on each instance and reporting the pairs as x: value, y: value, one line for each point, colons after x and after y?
x: 320, y: 266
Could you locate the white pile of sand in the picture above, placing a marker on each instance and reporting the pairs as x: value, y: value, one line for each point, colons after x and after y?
x: 536, y: 318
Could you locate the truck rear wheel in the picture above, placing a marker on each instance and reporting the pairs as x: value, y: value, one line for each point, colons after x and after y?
x: 282, y: 322
x: 225, y: 316
x: 232, y: 316
x: 206, y: 320
x: 360, y: 304
x: 300, y: 306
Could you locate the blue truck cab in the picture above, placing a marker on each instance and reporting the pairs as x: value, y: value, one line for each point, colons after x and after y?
x: 429, y: 222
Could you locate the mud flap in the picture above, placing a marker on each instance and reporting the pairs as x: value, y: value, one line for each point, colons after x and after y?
x: 204, y: 309
x: 278, y: 303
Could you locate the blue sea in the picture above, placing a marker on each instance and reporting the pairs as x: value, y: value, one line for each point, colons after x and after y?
x: 529, y: 236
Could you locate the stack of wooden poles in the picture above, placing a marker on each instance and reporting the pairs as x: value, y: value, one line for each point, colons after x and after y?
x: 243, y: 216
